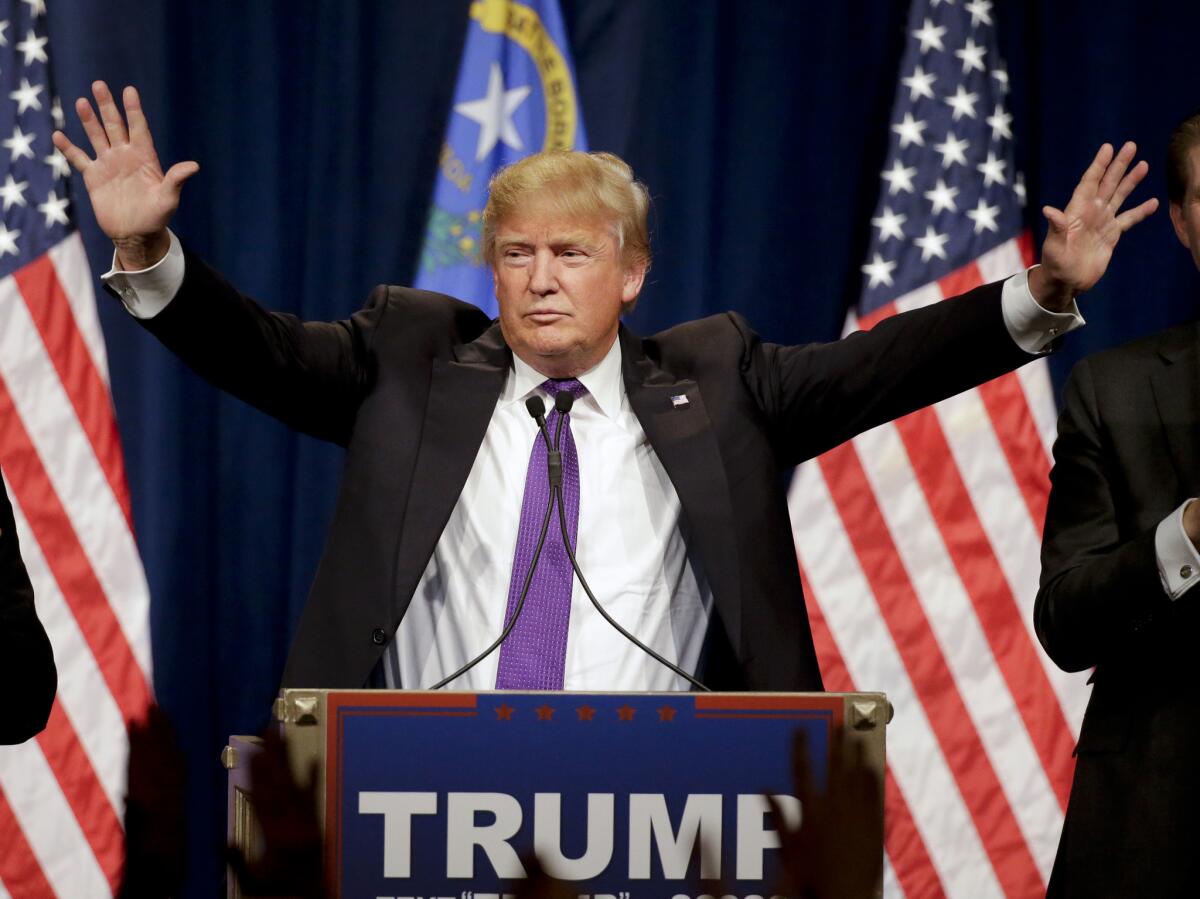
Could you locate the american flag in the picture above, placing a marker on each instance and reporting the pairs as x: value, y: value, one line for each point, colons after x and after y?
x: 919, y: 540
x: 61, y: 794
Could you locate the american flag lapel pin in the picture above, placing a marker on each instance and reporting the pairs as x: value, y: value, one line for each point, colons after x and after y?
x: 679, y: 401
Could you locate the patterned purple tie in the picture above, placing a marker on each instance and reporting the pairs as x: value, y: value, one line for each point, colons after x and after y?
x: 535, y: 653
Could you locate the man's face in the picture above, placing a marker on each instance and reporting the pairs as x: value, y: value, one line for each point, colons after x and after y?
x: 1185, y: 216
x: 561, y: 285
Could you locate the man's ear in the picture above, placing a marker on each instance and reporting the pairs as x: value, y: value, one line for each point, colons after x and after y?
x: 635, y: 275
x: 1178, y: 223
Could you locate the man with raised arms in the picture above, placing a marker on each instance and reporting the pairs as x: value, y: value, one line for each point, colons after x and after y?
x: 671, y: 451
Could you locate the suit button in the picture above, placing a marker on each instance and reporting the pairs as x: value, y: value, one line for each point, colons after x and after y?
x: 378, y: 636
x: 1185, y: 572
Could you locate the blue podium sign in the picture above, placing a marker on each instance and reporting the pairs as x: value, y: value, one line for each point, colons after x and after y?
x: 627, y: 795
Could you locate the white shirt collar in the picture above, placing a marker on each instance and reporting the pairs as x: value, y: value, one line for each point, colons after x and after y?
x: 605, y: 385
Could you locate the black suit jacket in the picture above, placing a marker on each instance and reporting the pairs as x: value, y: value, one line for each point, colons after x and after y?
x: 26, y: 660
x: 408, y: 385
x: 1127, y: 455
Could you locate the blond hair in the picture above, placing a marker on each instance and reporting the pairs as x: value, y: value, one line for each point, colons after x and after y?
x: 577, y: 186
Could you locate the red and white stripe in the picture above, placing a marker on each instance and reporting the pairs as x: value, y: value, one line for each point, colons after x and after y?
x: 919, y: 545
x: 62, y: 793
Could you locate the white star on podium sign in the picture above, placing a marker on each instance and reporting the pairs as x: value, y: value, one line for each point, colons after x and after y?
x: 493, y: 112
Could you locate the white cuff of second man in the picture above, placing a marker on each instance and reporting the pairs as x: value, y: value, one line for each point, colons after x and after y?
x: 1178, y: 560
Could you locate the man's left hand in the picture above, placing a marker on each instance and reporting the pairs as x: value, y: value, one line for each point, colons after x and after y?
x: 1081, y: 238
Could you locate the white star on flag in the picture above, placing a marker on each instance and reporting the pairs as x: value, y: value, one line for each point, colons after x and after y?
x: 56, y: 113
x: 20, y: 144
x: 54, y: 209
x: 58, y: 164
x: 1000, y: 122
x: 1019, y: 186
x: 3, y: 36
x: 953, y: 150
x: 980, y: 11
x: 932, y: 244
x: 36, y: 7
x: 8, y: 240
x: 919, y: 84
x: 27, y: 96
x: 929, y: 36
x: 889, y: 223
x: 910, y: 131
x: 34, y: 48
x: 942, y: 197
x: 1001, y: 76
x: 898, y: 178
x: 494, y: 113
x: 879, y: 271
x: 992, y: 170
x: 13, y: 191
x: 972, y: 56
x: 963, y: 103
x: 984, y: 216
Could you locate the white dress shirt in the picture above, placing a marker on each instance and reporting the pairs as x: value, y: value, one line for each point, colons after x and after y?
x: 632, y: 542
x: 632, y: 548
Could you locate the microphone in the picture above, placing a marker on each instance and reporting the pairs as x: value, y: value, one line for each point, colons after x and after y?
x: 537, y: 411
x: 563, y: 401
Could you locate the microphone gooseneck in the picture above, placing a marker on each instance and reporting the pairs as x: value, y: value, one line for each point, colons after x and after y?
x: 563, y: 401
x: 537, y: 410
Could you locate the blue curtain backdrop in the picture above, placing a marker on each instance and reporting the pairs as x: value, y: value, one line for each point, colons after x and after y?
x: 759, y: 125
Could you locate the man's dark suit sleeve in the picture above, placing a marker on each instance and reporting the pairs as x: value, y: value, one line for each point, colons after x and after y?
x: 310, y: 375
x: 27, y: 674
x: 1099, y: 584
x: 818, y: 396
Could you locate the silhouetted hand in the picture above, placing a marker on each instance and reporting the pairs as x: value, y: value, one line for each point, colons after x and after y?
x: 836, y: 852
x: 155, y: 814
x: 291, y: 861
x: 540, y: 885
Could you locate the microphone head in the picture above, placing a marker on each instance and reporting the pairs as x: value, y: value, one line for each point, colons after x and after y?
x: 536, y: 407
x: 563, y: 401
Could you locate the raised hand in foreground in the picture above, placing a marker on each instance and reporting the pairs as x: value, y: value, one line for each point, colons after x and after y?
x: 132, y: 197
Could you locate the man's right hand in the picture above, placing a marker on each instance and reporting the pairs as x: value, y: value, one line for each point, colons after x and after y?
x: 132, y: 199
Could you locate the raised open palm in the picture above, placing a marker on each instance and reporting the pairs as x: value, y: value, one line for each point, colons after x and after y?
x: 132, y: 197
x: 1081, y: 238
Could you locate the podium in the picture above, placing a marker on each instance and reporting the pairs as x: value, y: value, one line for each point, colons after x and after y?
x: 630, y: 796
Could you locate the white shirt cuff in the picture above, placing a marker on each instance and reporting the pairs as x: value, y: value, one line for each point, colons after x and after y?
x: 1178, y: 560
x: 146, y: 292
x: 1032, y: 327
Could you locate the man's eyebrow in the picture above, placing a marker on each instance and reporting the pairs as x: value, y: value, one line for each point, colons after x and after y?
x: 575, y: 238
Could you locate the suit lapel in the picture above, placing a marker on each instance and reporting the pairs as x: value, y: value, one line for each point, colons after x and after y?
x: 462, y: 396
x: 672, y: 413
x: 1176, y: 386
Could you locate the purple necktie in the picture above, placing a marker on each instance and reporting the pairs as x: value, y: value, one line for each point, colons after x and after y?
x: 535, y: 653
